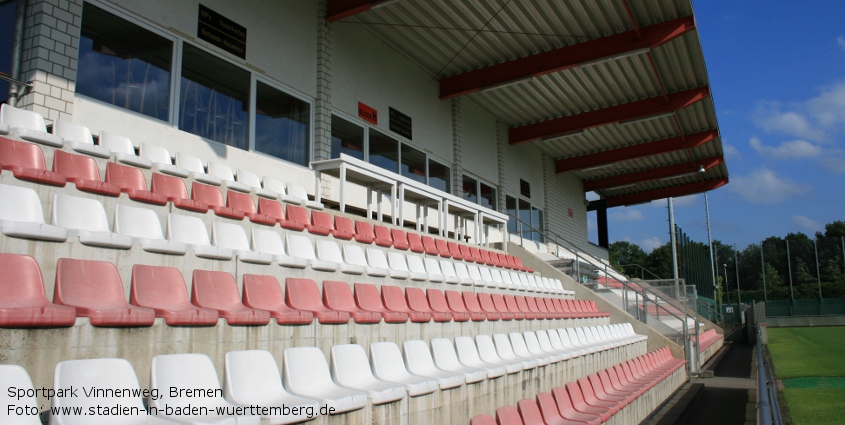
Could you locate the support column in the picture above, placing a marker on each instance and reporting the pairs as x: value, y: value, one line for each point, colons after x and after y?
x: 457, y: 155
x: 323, y: 104
x: 501, y: 144
x: 601, y: 222
x: 49, y: 58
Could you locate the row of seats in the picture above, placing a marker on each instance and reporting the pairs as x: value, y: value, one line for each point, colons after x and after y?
x: 591, y: 400
x: 308, y: 381
x: 86, y: 219
x: 93, y: 289
x: 707, y: 339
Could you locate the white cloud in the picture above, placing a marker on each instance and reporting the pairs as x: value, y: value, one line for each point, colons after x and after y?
x: 685, y: 201
x: 828, y: 108
x: 731, y: 150
x: 652, y: 243
x: 807, y: 224
x: 628, y: 214
x: 815, y: 119
x: 770, y: 118
x: 764, y: 186
x: 794, y: 149
x: 833, y: 164
x: 841, y: 42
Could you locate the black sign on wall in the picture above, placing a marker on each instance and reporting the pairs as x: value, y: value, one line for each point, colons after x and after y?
x: 524, y: 188
x: 400, y: 123
x: 221, y: 32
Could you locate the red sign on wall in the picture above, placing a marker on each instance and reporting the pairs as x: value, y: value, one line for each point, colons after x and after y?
x: 369, y: 114
x: 571, y: 213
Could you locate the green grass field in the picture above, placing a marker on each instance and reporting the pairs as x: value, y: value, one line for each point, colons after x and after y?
x: 811, y: 353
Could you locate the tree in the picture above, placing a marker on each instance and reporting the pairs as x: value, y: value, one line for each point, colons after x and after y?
x: 623, y: 254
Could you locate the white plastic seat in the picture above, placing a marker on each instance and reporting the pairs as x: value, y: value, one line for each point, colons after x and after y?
x: 196, y: 169
x: 161, y: 160
x: 450, y: 274
x: 86, y: 219
x: 232, y: 236
x: 523, y: 279
x: 79, y: 138
x: 520, y: 349
x: 271, y: 243
x: 191, y: 371
x: 224, y: 173
x: 376, y: 258
x: 469, y: 356
x: 192, y: 231
x: 503, y: 349
x: 446, y: 358
x: 387, y: 364
x: 487, y: 352
x: 397, y: 263
x: 558, y: 344
x: 22, y: 216
x: 299, y: 192
x: 252, y: 378
x: 350, y: 368
x: 419, y: 362
x: 300, y: 247
x: 416, y: 265
x: 100, y: 374
x: 4, y: 128
x: 28, y: 125
x: 279, y: 187
x: 123, y: 150
x: 329, y: 251
x: 354, y: 255
x: 475, y: 275
x: 532, y: 343
x: 508, y: 282
x: 253, y: 181
x: 496, y: 279
x: 570, y: 339
x: 306, y: 373
x: 463, y: 273
x: 432, y: 267
x: 545, y: 341
x: 144, y: 226
x: 518, y: 282
x: 487, y: 277
x: 15, y: 411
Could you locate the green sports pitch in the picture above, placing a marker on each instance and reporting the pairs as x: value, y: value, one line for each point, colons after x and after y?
x: 811, y: 364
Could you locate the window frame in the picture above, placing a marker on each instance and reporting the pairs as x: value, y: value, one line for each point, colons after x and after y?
x: 478, y: 182
x: 532, y: 208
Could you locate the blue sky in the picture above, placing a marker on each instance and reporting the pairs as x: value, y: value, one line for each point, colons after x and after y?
x: 777, y: 76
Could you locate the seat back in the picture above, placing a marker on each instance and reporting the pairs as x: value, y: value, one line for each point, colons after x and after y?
x: 465, y: 252
x: 137, y: 222
x: 270, y: 208
x: 22, y: 118
x: 364, y: 232
x: 168, y: 186
x: 207, y: 194
x: 21, y: 154
x: 75, y: 167
x: 429, y: 245
x: 228, y: 235
x: 72, y: 132
x: 267, y: 242
x: 416, y: 264
x: 386, y: 360
x: 455, y: 250
x: 262, y: 292
x: 252, y: 377
x: 444, y: 353
x: 455, y: 301
x: 415, y: 242
x: 221, y: 171
x: 508, y: 415
x: 297, y: 191
x: 184, y: 371
x: 432, y: 267
x: 394, y: 299
x: 448, y: 268
x: 101, y: 374
x: 241, y: 201
x: 417, y: 300
x: 126, y: 178
x: 367, y: 297
x: 443, y: 248
x: 297, y: 214
x: 485, y: 300
x: 436, y: 300
x: 21, y: 283
x: 383, y: 233
x: 328, y: 250
x: 303, y: 294
x: 349, y: 363
x: 338, y: 296
x: 215, y: 289
x: 322, y: 219
x: 274, y: 185
x: 73, y: 212
x: 396, y: 260
x: 461, y: 270
x: 301, y: 247
x: 116, y: 143
x: 190, y: 163
x: 400, y: 238
x: 305, y: 370
x: 156, y: 154
x: 88, y: 284
x: 344, y: 224
x: 529, y: 412
x: 20, y: 204
x: 14, y: 376
x: 250, y: 179
x: 159, y: 288
x: 470, y: 300
x: 474, y: 272
x: 354, y: 254
x: 376, y: 258
x: 187, y: 229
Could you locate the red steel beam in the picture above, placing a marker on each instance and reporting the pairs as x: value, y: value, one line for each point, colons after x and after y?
x: 611, y: 115
x: 653, y: 174
x: 666, y: 192
x: 339, y: 9
x: 656, y: 147
x: 565, y: 57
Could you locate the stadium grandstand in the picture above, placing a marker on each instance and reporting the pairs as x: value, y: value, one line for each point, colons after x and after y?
x: 342, y: 211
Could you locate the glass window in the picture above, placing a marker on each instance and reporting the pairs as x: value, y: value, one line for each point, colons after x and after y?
x: 413, y: 163
x: 537, y: 223
x: 347, y: 138
x: 214, y: 102
x: 487, y: 196
x: 439, y: 175
x: 384, y: 151
x: 470, y: 189
x: 123, y: 64
x: 7, y: 28
x: 510, y: 207
x: 281, y: 124
x: 525, y: 216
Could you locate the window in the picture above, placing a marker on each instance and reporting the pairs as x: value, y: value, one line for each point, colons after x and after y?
x: 7, y: 28
x: 527, y: 215
x: 469, y: 189
x: 122, y: 64
x: 384, y: 151
x: 487, y: 196
x: 413, y: 163
x: 347, y: 138
x: 439, y: 175
x: 281, y: 125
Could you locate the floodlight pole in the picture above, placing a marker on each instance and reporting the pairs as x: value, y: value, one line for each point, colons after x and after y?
x: 727, y: 293
x: 789, y: 267
x: 736, y: 266
x: 763, y: 266
x: 674, y: 241
x: 818, y: 275
x: 710, y: 242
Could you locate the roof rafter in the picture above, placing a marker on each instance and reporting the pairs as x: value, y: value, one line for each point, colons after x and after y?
x: 666, y: 192
x: 565, y: 57
x: 339, y: 9
x: 670, y: 171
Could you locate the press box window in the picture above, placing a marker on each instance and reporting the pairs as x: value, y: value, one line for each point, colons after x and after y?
x: 384, y: 151
x: 487, y: 196
x: 413, y: 163
x: 281, y: 124
x: 347, y: 138
x: 439, y: 175
x: 122, y: 64
x: 470, y: 189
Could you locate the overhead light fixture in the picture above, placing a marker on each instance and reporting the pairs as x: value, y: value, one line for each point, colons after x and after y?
x: 560, y: 136
x: 382, y: 4
x: 624, y: 186
x: 631, y: 53
x: 701, y: 169
x: 597, y: 167
x: 505, y: 84
x: 679, y: 176
x: 648, y: 118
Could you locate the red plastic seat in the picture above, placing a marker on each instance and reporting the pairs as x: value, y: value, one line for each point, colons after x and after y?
x: 507, y: 261
x: 466, y: 253
x: 303, y: 294
x: 555, y: 414
x: 508, y: 415
x: 417, y: 301
x: 607, y: 393
x: 394, y: 300
x: 163, y: 289
x: 573, y: 393
x: 83, y: 172
x: 518, y: 262
x: 455, y: 302
x: 343, y: 228
x: 437, y: 302
x: 132, y: 182
x: 476, y: 255
x: 522, y: 305
x: 219, y: 291
x: 455, y: 250
x: 94, y: 288
x: 592, y: 399
x: 23, y: 302
x: 274, y: 209
x: 482, y: 420
x: 264, y: 293
x: 211, y: 196
x: 298, y: 215
x: 485, y: 300
x: 243, y: 202
x: 400, y: 239
x: 474, y: 307
x: 174, y: 190
x: 552, y: 309
x: 26, y: 162
x: 442, y: 248
x: 364, y: 232
x: 321, y: 223
x: 621, y: 384
x: 367, y: 298
x: 534, y: 308
x: 338, y: 296
x: 415, y: 243
x: 529, y: 412
x: 429, y: 246
x: 502, y: 306
x: 382, y: 236
x: 485, y: 257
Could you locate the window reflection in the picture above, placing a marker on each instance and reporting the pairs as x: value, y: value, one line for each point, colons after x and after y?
x: 7, y: 25
x: 384, y: 151
x: 439, y: 175
x: 487, y: 197
x: 281, y: 125
x: 347, y: 138
x: 413, y: 163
